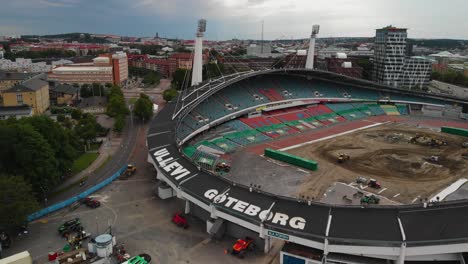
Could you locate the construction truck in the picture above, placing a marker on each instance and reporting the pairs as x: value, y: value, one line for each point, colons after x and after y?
x: 131, y: 169
x: 370, y: 199
x: 373, y: 183
x: 223, y: 167
x: 342, y: 157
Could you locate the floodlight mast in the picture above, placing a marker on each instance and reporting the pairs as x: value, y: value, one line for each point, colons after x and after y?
x: 311, y: 51
x: 197, y: 76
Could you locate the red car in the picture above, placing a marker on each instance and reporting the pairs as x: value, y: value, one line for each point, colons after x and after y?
x: 180, y: 220
x: 241, y: 247
x: 91, y: 202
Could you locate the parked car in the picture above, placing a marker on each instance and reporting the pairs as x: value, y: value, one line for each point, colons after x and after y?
x: 91, y: 202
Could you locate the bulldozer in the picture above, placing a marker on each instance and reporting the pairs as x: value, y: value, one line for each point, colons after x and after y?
x: 342, y: 157
x: 131, y: 169
x: 370, y: 199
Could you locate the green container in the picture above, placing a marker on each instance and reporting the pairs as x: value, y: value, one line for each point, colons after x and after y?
x: 455, y: 131
x: 291, y: 159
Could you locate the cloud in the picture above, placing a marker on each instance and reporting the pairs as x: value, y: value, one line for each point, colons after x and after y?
x: 238, y: 18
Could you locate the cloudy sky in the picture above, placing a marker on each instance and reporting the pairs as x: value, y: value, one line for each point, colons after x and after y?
x: 235, y: 18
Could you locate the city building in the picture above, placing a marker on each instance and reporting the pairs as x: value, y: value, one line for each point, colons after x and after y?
x: 63, y: 94
x: 295, y: 60
x: 24, y: 65
x: 120, y: 67
x: 165, y: 66
x: 416, y: 73
x: 341, y: 64
x: 104, y: 69
x: 260, y: 50
x: 9, y: 79
x: 392, y: 66
x: 33, y: 92
x: 15, y: 111
x: 389, y: 55
x: 329, y: 52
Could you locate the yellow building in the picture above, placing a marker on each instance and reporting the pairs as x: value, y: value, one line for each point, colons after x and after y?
x: 9, y: 79
x: 33, y: 92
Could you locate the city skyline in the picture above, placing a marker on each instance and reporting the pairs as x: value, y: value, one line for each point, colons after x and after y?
x: 229, y: 19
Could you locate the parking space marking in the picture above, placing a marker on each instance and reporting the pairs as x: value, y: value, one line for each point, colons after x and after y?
x: 396, y: 195
x: 415, y: 199
x: 381, y: 191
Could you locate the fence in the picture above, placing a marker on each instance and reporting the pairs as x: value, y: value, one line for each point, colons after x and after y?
x: 291, y: 159
x: 455, y: 131
x: 76, y: 198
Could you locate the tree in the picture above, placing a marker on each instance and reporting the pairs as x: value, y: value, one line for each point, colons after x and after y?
x: 61, y: 118
x: 170, y: 94
x: 180, y: 78
x: 87, y: 129
x: 116, y: 105
x: 119, y: 123
x: 16, y: 202
x: 63, y: 144
x: 76, y: 114
x: 151, y: 78
x: 24, y: 151
x: 143, y: 108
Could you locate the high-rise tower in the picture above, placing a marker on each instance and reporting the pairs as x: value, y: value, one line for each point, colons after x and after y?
x: 311, y: 51
x: 197, y: 59
x: 389, y: 55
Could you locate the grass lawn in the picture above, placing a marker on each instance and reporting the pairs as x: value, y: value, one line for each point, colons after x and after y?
x: 83, y: 162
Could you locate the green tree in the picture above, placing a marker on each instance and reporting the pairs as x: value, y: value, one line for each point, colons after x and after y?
x: 24, y: 151
x: 62, y: 143
x: 170, y: 94
x: 76, y: 114
x: 116, y: 104
x: 180, y: 79
x: 143, y: 108
x: 119, y: 123
x: 61, y: 118
x: 86, y: 129
x: 16, y: 201
x: 151, y: 78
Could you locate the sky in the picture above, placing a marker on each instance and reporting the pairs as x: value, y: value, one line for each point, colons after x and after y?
x: 227, y: 19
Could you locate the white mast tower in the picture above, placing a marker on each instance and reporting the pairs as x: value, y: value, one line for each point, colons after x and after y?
x: 197, y: 60
x: 311, y: 51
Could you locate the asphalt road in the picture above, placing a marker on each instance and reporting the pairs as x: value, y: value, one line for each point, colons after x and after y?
x: 119, y: 159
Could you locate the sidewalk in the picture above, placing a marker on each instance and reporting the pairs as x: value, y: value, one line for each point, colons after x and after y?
x: 107, y: 149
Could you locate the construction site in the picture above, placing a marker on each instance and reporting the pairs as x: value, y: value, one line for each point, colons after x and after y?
x: 403, y: 163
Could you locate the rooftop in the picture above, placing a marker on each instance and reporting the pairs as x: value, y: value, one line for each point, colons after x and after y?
x: 64, y: 88
x: 14, y: 75
x: 70, y: 68
x: 33, y: 84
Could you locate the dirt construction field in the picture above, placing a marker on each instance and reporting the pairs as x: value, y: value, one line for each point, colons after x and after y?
x: 410, y: 163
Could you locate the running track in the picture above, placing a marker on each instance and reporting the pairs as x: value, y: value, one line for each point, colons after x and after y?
x: 350, y: 125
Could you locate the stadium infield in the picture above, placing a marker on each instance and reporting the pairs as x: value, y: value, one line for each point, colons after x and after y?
x: 382, y: 152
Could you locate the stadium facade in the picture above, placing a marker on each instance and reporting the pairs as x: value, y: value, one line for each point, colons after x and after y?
x: 418, y: 232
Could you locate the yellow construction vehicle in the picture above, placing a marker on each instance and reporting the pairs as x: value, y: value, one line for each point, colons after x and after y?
x: 131, y: 169
x: 342, y: 157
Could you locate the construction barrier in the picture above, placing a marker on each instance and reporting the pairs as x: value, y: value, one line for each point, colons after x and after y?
x: 291, y: 159
x: 455, y: 131
x: 76, y: 198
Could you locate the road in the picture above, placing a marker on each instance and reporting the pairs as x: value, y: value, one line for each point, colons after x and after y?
x: 119, y: 159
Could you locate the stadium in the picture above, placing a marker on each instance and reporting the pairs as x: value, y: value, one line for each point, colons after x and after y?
x: 216, y: 149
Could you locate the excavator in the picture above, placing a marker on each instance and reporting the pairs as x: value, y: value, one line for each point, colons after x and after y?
x: 427, y: 140
x: 342, y: 157
x: 131, y: 169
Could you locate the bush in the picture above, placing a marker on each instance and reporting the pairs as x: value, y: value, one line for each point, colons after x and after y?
x: 170, y: 94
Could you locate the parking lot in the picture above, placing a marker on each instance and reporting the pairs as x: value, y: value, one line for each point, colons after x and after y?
x: 139, y: 220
